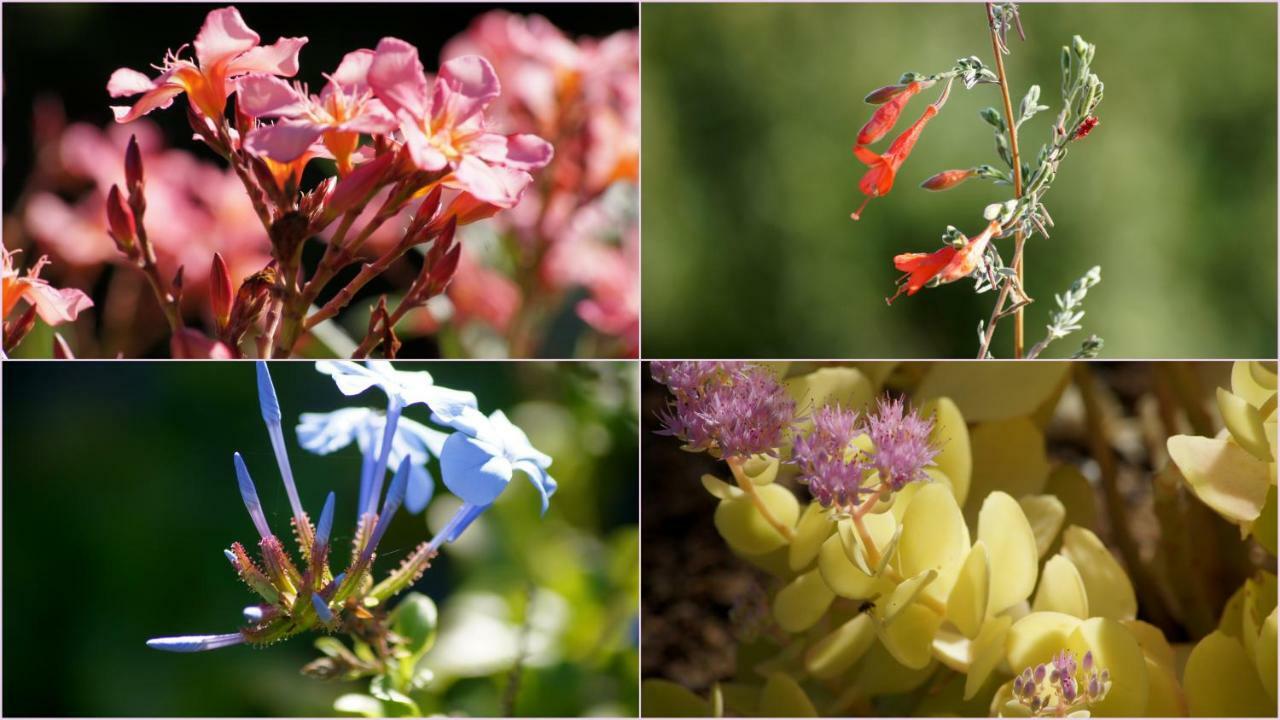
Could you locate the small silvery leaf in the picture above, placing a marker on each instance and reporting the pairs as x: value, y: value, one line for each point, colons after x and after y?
x: 991, y: 212
x: 1002, y: 149
x: 992, y: 118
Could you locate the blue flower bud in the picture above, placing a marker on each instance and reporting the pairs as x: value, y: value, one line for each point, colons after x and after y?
x: 195, y: 643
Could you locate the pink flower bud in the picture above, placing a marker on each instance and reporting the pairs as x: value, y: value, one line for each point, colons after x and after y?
x: 133, y: 167
x: 220, y: 291
x: 120, y: 220
x: 191, y: 344
x: 355, y: 189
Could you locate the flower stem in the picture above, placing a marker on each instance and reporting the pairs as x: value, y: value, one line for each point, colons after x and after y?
x: 749, y: 487
x: 1019, y: 238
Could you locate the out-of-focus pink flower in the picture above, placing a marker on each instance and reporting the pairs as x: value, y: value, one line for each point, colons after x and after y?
x: 478, y: 292
x: 444, y: 126
x: 343, y: 111
x: 54, y: 305
x: 191, y: 344
x: 225, y: 48
x: 193, y: 208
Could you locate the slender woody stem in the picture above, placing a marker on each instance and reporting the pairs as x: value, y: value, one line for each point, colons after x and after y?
x: 1019, y: 238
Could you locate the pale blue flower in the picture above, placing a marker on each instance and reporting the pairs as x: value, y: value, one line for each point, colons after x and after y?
x: 324, y: 433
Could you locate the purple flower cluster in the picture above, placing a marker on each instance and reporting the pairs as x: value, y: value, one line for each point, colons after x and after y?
x: 828, y: 462
x: 737, y: 409
x: 1063, y: 690
x: 901, y: 437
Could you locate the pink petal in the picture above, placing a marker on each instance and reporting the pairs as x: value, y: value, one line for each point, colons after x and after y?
x: 523, y: 152
x: 125, y: 82
x: 373, y: 119
x: 223, y: 37
x: 157, y: 98
x: 423, y: 153
x: 285, y: 141
x: 278, y: 59
x: 353, y: 71
x: 465, y: 86
x: 262, y: 95
x: 397, y: 77
x: 490, y: 183
x: 56, y: 306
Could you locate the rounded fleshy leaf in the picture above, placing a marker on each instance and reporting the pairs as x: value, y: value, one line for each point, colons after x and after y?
x: 1252, y: 382
x: 1263, y: 530
x: 1153, y: 642
x: 1107, y: 585
x: 1115, y: 649
x: 1245, y: 424
x: 783, y: 697
x: 745, y: 528
x: 1164, y: 693
x: 952, y: 649
x: 987, y: 651
x: 994, y: 391
x: 909, y: 639
x: 843, y: 577
x: 1011, y: 551
x: 720, y: 488
x: 814, y: 528
x: 1265, y: 654
x: 843, y: 386
x: 663, y: 698
x: 761, y: 469
x: 903, y: 595
x: 884, y: 532
x: 840, y: 649
x: 967, y: 604
x: 1008, y: 456
x: 1220, y: 680
x: 934, y: 537
x: 801, y: 604
x: 1258, y: 601
x: 880, y: 673
x: 1061, y: 589
x: 1046, y: 514
x: 1072, y: 489
x: 1035, y: 637
x: 951, y: 435
x: 1223, y: 475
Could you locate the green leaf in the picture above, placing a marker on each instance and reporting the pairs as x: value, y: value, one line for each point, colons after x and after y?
x: 663, y: 698
x: 783, y: 697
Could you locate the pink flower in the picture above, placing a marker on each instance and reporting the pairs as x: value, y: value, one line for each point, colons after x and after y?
x: 55, y: 306
x: 479, y: 292
x: 343, y: 111
x: 444, y: 125
x: 225, y: 48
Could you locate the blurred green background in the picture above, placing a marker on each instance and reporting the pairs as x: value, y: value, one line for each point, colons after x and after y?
x: 119, y: 496
x: 750, y: 112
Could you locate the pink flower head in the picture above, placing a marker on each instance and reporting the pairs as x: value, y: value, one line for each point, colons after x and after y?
x: 55, y: 306
x: 337, y: 117
x: 444, y: 126
x: 828, y: 461
x: 903, y: 447
x: 225, y: 48
x: 735, y: 409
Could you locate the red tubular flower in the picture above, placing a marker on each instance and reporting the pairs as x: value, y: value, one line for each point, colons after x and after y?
x: 878, y: 180
x: 947, y: 265
x: 886, y: 116
x: 1086, y: 126
x: 947, y: 179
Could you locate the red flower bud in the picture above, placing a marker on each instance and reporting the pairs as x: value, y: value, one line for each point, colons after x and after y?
x: 886, y: 116
x: 220, y: 291
x: 133, y: 167
x: 879, y: 96
x: 947, y: 179
x: 1086, y: 126
x: 120, y: 221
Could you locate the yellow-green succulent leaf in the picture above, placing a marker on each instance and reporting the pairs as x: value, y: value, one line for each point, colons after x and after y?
x: 1069, y: 485
x: 761, y: 469
x: 1153, y: 643
x: 903, y: 595
x: 746, y: 529
x: 1008, y: 456
x: 934, y: 537
x: 1164, y: 696
x: 1223, y: 475
x: 1011, y: 551
x: 993, y: 391
x: 1108, y: 587
x: 1035, y: 638
x: 1061, y: 589
x: 1265, y: 654
x: 814, y: 528
x: 1046, y: 514
x: 1250, y: 381
x: 720, y: 488
x: 843, y: 386
x: 967, y: 604
x: 783, y: 697
x: 1115, y: 649
x: 663, y: 698
x: 802, y: 603
x: 843, y: 577
x: 951, y: 434
x: 1220, y: 680
x: 838, y: 650
x: 909, y: 639
x: 987, y: 651
x: 1245, y: 423
x: 1263, y: 529
x: 879, y: 673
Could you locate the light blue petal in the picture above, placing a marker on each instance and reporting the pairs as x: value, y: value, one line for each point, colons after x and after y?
x: 516, y: 442
x: 351, y: 378
x: 472, y: 470
x: 267, y: 399
x: 430, y: 439
x: 322, y: 608
x: 453, y: 408
x: 323, y: 433
x: 421, y: 487
x: 195, y: 643
x: 541, y: 480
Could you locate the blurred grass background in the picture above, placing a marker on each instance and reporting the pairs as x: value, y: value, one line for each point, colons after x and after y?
x: 119, y: 496
x: 750, y: 112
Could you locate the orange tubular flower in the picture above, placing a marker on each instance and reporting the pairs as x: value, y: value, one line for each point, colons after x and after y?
x: 878, y: 180
x: 946, y: 265
x: 886, y: 116
x: 947, y: 179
